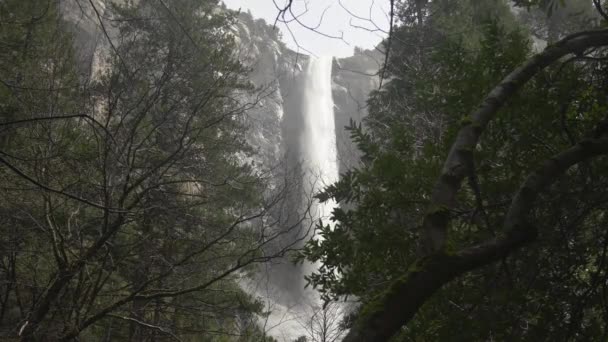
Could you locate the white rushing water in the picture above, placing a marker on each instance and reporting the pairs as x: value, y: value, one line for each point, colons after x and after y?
x: 318, y: 139
x: 289, y: 319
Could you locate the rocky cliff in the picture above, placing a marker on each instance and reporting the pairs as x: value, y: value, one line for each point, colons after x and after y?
x: 353, y: 79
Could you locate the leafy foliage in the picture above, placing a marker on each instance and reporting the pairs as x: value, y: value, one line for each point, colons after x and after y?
x: 551, y: 291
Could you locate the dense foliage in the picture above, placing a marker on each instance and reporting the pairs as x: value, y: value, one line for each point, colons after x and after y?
x: 126, y: 210
x: 446, y: 56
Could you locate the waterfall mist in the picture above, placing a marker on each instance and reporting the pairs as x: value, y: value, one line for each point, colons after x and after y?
x: 311, y: 143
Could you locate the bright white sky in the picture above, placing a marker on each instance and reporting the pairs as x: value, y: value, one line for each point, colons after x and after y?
x: 337, y: 21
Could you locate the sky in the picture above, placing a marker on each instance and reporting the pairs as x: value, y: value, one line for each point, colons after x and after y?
x: 339, y: 28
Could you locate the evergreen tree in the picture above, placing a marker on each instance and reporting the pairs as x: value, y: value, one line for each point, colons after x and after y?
x: 128, y: 212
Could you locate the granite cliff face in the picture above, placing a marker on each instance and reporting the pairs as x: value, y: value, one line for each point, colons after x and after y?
x: 275, y: 122
x: 353, y: 79
x: 83, y: 19
x: 276, y: 72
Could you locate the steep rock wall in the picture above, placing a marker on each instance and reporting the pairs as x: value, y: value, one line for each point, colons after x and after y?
x: 353, y: 79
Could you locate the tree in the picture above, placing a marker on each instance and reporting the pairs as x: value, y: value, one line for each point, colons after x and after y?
x: 323, y: 323
x: 128, y: 211
x: 432, y: 259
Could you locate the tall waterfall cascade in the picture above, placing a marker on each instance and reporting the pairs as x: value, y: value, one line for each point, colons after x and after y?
x: 292, y: 306
x: 318, y: 139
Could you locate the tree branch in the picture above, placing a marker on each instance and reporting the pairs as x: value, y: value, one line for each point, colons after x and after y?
x: 147, y: 325
x: 389, y: 311
x: 389, y: 42
x: 454, y: 170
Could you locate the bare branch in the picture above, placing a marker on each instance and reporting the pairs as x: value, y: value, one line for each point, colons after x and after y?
x: 147, y: 325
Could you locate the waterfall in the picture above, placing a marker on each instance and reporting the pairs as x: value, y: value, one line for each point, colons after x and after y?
x: 319, y: 160
x: 312, y: 140
x: 312, y: 128
x: 318, y: 138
